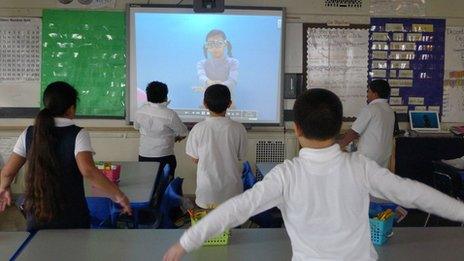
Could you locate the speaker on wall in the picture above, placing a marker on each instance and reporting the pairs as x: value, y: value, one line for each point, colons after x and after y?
x: 208, y: 6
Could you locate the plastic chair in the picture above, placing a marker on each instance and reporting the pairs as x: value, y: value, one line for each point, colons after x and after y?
x: 149, y: 216
x: 172, y: 199
x: 448, y: 180
x: 101, y: 212
x: 271, y: 218
x: 248, y: 178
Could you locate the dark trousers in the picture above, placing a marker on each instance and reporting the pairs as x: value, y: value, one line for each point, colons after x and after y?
x: 171, y: 160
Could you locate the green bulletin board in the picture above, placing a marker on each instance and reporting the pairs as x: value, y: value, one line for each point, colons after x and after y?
x: 88, y: 50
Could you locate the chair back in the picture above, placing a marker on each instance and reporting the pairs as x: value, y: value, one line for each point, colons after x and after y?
x: 161, y: 183
x: 248, y: 177
x: 447, y: 179
x: 172, y: 199
x: 100, y: 210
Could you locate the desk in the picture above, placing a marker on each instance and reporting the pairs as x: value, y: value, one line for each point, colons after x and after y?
x: 136, y: 181
x: 439, y: 243
x: 431, y: 243
x: 10, y: 242
x: 263, y: 168
x: 414, y: 155
x: 144, y: 244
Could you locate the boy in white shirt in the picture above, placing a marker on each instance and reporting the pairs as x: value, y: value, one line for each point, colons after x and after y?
x: 159, y: 127
x: 323, y: 193
x: 374, y: 125
x: 217, y: 145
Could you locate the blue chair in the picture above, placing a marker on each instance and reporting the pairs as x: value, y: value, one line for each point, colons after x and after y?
x: 171, y: 201
x: 101, y: 212
x: 271, y: 218
x: 248, y: 178
x: 148, y: 215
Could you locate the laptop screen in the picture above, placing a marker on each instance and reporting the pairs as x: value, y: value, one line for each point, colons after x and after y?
x: 424, y: 120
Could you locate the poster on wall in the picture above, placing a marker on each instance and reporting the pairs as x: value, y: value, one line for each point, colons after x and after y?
x: 336, y: 59
x: 20, y: 50
x: 453, y: 83
x: 397, y: 7
x: 409, y: 54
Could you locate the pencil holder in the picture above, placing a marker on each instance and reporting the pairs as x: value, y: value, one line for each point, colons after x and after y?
x: 219, y: 240
x: 381, y: 230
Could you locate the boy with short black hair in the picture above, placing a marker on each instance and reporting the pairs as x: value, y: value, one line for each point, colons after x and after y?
x: 159, y: 126
x: 323, y: 193
x: 217, y: 145
x: 374, y: 125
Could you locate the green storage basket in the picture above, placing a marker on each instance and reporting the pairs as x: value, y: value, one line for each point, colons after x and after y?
x: 381, y: 230
x: 219, y: 240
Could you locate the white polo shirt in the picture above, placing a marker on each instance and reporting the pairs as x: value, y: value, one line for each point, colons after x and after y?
x: 375, y: 125
x: 158, y: 126
x: 323, y: 195
x: 219, y: 144
x: 82, y: 139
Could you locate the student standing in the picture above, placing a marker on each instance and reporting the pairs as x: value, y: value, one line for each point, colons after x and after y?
x: 58, y: 155
x: 159, y: 126
x: 323, y: 193
x: 374, y: 125
x: 217, y: 144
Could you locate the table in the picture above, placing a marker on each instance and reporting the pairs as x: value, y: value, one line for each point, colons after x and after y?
x: 438, y: 243
x: 263, y: 168
x: 144, y: 244
x: 424, y: 244
x: 414, y: 155
x: 136, y: 181
x: 10, y: 243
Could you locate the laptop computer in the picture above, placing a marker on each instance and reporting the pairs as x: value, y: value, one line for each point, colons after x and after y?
x: 425, y: 122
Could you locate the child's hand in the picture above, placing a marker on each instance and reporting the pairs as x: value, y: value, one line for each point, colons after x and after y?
x: 123, y: 201
x: 175, y: 253
x: 5, y: 199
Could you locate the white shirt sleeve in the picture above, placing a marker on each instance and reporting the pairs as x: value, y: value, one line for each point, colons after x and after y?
x: 408, y: 193
x: 191, y: 148
x: 20, y: 146
x: 178, y: 126
x: 362, y: 121
x: 264, y: 195
x: 242, y: 150
x: 83, y: 142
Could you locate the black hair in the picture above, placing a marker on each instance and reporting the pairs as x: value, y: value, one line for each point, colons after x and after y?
x: 223, y: 35
x: 157, y: 92
x: 319, y: 114
x: 43, y: 196
x: 217, y: 98
x: 381, y: 87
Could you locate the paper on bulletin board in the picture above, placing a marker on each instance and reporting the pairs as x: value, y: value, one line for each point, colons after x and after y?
x: 397, y: 7
x: 453, y: 83
x: 20, y: 51
x: 337, y: 60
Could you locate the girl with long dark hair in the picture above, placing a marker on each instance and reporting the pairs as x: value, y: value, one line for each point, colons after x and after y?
x: 58, y: 156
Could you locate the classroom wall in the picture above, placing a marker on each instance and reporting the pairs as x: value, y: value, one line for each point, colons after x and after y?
x: 116, y: 141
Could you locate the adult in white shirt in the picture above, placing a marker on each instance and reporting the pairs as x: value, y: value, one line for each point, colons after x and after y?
x: 217, y: 145
x: 323, y: 193
x: 159, y: 127
x: 374, y: 125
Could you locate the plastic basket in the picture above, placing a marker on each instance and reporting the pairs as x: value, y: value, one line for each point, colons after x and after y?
x: 381, y: 230
x: 219, y: 240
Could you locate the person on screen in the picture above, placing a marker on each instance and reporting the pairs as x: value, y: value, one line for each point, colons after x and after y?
x: 159, y: 128
x: 374, y: 125
x: 218, y: 67
x: 217, y: 145
x: 427, y: 123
